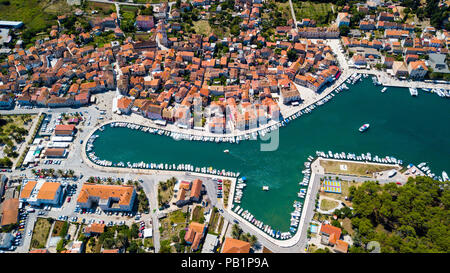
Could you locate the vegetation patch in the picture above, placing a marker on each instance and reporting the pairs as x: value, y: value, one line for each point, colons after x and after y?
x: 327, y: 204
x: 408, y: 218
x: 353, y: 168
x: 197, y: 215
x: 60, y: 228
x: 165, y: 191
x: 41, y: 231
x: 322, y: 13
x: 172, y: 231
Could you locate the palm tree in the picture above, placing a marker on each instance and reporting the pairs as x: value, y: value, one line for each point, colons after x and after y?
x: 252, y: 240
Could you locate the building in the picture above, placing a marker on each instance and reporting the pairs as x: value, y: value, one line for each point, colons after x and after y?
x: 210, y: 244
x: 341, y: 246
x: 94, y: 229
x: 40, y: 250
x: 194, y: 235
x: 10, y: 211
x: 235, y: 246
x: 37, y: 193
x: 107, y: 197
x: 64, y: 130
x: 399, y: 69
x: 124, y: 104
x: 76, y: 247
x: 343, y: 19
x: 438, y: 63
x: 55, y: 153
x: 11, y: 24
x: 329, y: 234
x: 417, y: 69
x: 190, y: 192
x: 145, y: 22
x: 288, y: 95
x: 6, y: 240
x: 3, y: 180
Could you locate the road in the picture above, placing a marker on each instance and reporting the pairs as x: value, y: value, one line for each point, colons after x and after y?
x: 293, y: 14
x: 124, y: 3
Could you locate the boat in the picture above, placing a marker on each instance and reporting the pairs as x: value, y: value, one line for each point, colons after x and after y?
x: 445, y: 176
x: 413, y: 91
x: 364, y: 127
x: 226, y: 151
x: 383, y: 90
x: 265, y: 188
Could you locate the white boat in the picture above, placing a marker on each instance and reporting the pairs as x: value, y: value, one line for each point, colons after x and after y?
x: 226, y: 151
x: 384, y: 89
x: 265, y: 188
x: 445, y: 176
x: 413, y: 91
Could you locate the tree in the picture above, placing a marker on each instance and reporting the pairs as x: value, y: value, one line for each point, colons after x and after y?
x: 134, y: 231
x: 292, y: 55
x: 344, y: 30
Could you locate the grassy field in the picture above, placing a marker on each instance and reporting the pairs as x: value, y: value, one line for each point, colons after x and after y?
x: 102, y: 8
x: 213, y: 221
x: 35, y: 14
x: 315, y: 11
x: 347, y: 225
x: 165, y: 191
x: 171, y: 226
x: 326, y: 204
x: 226, y: 191
x: 202, y: 27
x: 358, y: 169
x: 197, y: 214
x: 41, y: 231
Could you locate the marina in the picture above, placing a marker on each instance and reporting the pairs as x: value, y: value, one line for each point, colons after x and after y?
x: 281, y: 169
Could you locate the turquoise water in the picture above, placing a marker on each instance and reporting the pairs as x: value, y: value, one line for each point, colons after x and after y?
x: 414, y: 129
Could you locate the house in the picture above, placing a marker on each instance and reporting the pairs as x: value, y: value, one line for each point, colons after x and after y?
x: 399, y: 69
x: 75, y: 247
x: 359, y: 60
x: 438, y: 63
x: 195, y: 234
x: 190, y: 192
x: 107, y: 197
x: 111, y: 251
x: 10, y: 211
x: 94, y: 229
x: 341, y: 247
x: 417, y: 69
x: 40, y: 250
x: 6, y: 101
x: 124, y: 105
x: 210, y: 244
x: 64, y: 130
x: 343, y: 19
x: 235, y: 246
x: 388, y: 62
x: 329, y: 234
x: 37, y: 193
x: 288, y: 95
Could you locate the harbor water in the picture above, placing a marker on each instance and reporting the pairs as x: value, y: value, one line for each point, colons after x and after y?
x: 414, y: 129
